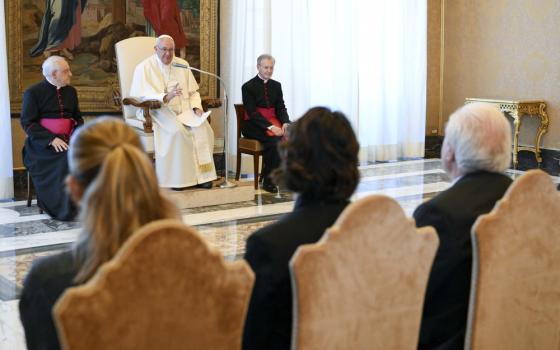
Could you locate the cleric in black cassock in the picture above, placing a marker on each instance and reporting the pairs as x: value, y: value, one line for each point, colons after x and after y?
x: 266, y: 117
x: 49, y: 115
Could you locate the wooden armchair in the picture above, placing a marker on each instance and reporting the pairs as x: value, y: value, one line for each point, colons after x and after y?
x: 165, y: 289
x: 246, y: 145
x: 145, y: 106
x: 515, y: 288
x: 362, y: 285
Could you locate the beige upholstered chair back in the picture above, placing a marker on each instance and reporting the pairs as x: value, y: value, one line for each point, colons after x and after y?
x: 515, y: 290
x: 165, y: 289
x: 362, y: 285
x: 129, y: 53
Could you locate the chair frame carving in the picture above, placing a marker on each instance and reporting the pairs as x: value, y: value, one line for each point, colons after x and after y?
x: 145, y: 106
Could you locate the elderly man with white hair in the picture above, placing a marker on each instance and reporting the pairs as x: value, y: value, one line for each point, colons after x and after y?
x: 266, y: 117
x: 49, y: 115
x: 184, y: 155
x: 476, y: 152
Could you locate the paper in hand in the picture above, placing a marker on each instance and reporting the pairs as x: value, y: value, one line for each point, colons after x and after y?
x: 189, y: 118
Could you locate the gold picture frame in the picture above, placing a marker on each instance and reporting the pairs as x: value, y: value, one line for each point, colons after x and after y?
x: 95, y: 91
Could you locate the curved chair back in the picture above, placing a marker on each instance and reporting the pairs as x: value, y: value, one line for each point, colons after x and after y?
x: 165, y: 289
x: 130, y: 52
x: 515, y: 289
x: 362, y: 285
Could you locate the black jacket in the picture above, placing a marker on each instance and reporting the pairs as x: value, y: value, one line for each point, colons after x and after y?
x: 269, y: 250
x: 452, y: 213
x: 258, y: 94
x: 46, y: 281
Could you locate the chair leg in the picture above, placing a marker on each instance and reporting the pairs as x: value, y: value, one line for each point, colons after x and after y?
x: 28, y: 189
x: 256, y: 169
x: 238, y: 169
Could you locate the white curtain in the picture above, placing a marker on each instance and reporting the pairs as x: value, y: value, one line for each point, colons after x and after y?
x: 245, y: 33
x: 6, y: 165
x: 366, y: 58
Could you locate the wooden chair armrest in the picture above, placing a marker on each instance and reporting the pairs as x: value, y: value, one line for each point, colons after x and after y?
x: 211, y: 103
x: 208, y: 102
x: 131, y: 101
x: 146, y: 106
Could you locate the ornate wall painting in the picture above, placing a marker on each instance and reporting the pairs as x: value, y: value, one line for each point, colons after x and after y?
x: 91, y: 49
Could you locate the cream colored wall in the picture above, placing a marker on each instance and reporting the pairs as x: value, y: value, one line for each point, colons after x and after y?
x: 18, y: 137
x: 503, y: 48
x: 433, y: 85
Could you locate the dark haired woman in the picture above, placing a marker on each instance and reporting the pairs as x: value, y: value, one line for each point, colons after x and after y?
x: 319, y: 161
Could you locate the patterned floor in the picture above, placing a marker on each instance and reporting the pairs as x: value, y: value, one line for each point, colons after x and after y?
x: 25, y: 234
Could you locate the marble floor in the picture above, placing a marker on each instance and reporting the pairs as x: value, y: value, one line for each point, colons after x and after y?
x: 25, y: 234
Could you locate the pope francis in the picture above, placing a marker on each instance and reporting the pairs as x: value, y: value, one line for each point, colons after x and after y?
x: 183, y: 154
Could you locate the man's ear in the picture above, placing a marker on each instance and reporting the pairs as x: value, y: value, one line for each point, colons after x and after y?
x: 450, y: 155
x: 75, y: 189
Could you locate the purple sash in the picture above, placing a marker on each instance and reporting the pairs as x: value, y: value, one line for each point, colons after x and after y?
x: 59, y: 126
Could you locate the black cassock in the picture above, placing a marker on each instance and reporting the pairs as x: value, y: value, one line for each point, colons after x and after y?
x: 47, y: 167
x: 258, y: 94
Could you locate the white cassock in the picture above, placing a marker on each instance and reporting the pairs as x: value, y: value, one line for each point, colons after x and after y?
x: 183, y: 154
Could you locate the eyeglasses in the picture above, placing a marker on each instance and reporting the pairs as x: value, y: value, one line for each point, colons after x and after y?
x: 164, y: 49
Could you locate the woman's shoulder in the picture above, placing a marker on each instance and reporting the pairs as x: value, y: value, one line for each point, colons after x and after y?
x: 55, y: 267
x: 287, y: 226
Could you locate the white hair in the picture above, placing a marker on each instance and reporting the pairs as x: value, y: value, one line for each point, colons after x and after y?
x: 480, y: 136
x: 263, y: 57
x: 51, y: 64
x: 164, y: 36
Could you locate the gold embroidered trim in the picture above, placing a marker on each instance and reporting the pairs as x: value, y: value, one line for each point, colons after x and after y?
x: 205, y: 168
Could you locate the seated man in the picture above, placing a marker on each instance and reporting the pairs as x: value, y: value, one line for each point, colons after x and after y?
x: 184, y: 155
x: 266, y: 117
x: 475, y: 153
x: 49, y: 115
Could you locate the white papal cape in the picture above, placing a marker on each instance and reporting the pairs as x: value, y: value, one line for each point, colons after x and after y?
x: 183, y: 154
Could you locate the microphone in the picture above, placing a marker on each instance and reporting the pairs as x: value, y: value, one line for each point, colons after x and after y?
x: 179, y: 65
x: 225, y: 183
x: 185, y: 66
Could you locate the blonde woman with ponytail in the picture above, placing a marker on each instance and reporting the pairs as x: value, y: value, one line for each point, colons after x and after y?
x: 115, y: 185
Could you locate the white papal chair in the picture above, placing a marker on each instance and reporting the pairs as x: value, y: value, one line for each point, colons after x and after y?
x: 130, y: 52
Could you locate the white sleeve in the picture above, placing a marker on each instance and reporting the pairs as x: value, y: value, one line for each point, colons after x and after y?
x: 143, y: 87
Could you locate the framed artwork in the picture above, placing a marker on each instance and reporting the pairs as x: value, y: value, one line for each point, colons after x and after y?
x: 89, y: 44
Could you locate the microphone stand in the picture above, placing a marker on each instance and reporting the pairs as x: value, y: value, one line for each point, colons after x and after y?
x: 226, y: 183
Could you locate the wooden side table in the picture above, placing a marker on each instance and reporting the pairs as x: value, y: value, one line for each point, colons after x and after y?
x: 518, y: 109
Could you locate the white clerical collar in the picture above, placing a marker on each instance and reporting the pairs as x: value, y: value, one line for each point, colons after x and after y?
x: 263, y: 79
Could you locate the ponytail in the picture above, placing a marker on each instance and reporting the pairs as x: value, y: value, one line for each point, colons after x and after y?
x: 120, y: 197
